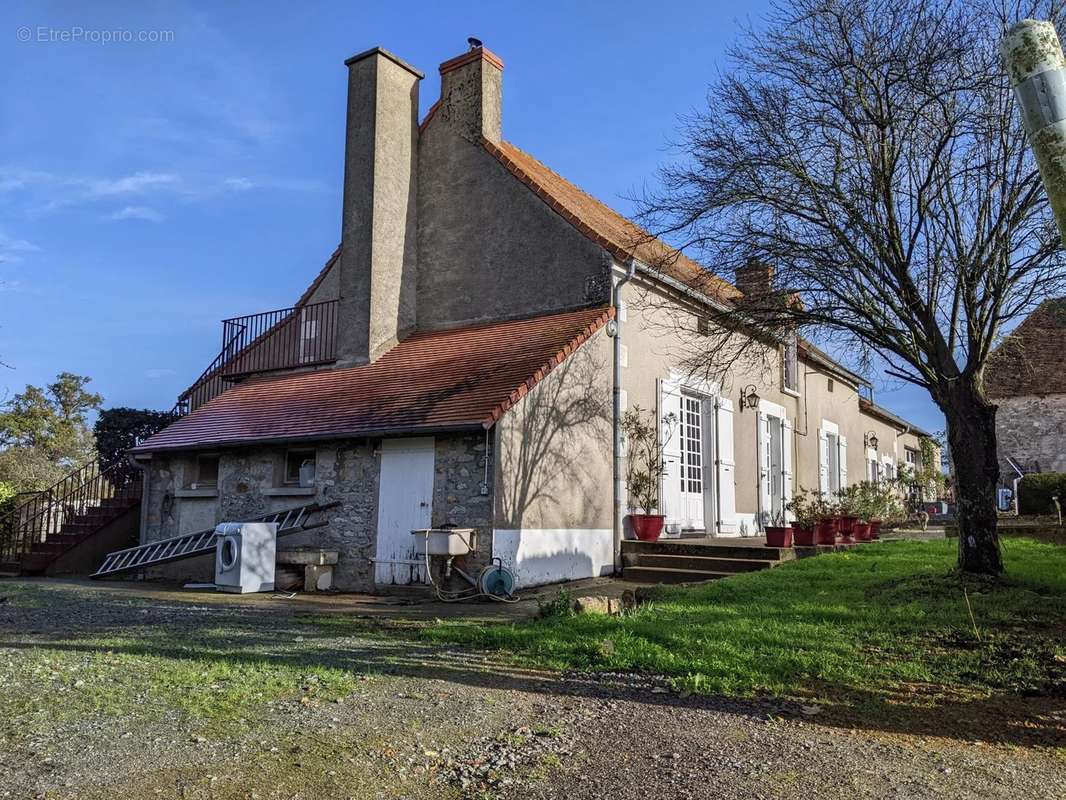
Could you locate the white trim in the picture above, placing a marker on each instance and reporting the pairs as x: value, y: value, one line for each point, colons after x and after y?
x: 683, y: 380
x: 830, y: 427
x: 549, y: 555
x: 772, y: 409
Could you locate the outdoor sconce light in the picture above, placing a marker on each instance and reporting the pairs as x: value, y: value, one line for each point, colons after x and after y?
x: 748, y: 397
x: 871, y: 439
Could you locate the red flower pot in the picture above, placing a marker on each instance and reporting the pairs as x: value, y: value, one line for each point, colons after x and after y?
x: 847, y: 528
x: 778, y: 536
x: 875, y: 529
x: 805, y: 536
x: 862, y: 531
x: 647, y: 527
x: 827, y: 531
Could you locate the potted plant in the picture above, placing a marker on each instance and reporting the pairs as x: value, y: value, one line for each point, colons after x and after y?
x: 778, y: 532
x: 827, y: 513
x: 804, y: 518
x: 644, y: 470
x: 848, y: 513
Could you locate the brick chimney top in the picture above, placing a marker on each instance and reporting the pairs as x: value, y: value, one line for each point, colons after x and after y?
x: 755, y: 279
x: 478, y: 53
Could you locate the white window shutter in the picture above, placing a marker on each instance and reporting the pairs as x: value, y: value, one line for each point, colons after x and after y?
x: 762, y: 449
x: 670, y: 436
x: 823, y: 462
x: 786, y: 461
x: 842, y: 460
x: 725, y: 466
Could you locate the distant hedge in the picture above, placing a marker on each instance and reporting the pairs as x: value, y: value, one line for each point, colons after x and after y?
x: 1035, y: 492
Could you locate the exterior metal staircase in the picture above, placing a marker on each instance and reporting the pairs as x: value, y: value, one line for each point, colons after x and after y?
x: 291, y: 520
x: 39, y: 530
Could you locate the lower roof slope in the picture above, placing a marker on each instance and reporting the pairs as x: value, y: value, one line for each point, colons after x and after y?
x: 434, y: 380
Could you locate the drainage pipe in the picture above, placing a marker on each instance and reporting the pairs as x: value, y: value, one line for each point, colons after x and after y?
x: 615, y: 330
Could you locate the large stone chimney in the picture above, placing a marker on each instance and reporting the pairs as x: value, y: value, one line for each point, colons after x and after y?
x: 378, y: 230
x: 471, y: 93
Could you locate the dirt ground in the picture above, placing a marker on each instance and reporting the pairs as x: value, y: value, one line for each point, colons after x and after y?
x: 130, y: 692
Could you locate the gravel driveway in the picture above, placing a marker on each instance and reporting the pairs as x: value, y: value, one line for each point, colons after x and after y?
x: 416, y: 721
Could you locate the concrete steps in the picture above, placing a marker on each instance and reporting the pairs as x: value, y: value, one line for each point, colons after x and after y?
x: 678, y: 561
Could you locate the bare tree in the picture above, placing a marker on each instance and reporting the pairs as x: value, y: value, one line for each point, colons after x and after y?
x: 869, y: 151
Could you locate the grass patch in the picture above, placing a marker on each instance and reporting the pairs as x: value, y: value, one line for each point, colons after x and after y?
x: 868, y: 620
x: 44, y: 686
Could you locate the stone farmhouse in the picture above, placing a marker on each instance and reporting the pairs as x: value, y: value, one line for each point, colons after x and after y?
x: 462, y: 359
x: 1026, y: 377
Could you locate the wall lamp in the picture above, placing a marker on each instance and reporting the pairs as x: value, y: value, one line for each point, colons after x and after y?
x: 749, y: 397
x: 871, y: 439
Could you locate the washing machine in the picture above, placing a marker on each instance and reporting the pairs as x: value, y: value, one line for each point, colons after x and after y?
x: 245, y: 554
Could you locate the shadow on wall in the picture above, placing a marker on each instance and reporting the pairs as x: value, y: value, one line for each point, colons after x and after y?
x: 549, y: 468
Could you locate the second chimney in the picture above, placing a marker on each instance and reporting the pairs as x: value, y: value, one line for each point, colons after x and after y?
x: 378, y: 229
x: 471, y: 94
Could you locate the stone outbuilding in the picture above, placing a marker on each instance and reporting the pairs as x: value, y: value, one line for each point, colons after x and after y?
x: 1026, y: 377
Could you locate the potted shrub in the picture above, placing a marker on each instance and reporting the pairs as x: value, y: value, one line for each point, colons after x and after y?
x: 804, y: 519
x: 644, y: 470
x: 848, y: 513
x: 827, y: 513
x: 778, y: 532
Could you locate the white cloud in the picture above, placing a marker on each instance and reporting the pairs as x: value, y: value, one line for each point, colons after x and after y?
x: 240, y: 184
x: 12, y: 251
x: 138, y: 212
x: 138, y: 183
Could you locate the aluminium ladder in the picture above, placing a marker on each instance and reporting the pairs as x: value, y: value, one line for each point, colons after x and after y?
x: 290, y: 520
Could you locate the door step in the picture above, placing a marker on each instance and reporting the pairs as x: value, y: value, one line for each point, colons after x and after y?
x: 730, y: 566
x: 669, y: 575
x: 680, y: 547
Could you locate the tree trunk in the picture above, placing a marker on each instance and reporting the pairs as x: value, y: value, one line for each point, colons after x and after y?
x: 971, y: 422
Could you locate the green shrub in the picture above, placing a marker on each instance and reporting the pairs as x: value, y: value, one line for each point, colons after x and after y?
x: 1035, y: 492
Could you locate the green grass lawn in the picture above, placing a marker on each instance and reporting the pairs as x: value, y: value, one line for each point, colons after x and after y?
x: 867, y: 621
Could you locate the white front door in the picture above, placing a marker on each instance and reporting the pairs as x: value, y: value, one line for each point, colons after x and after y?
x: 405, y: 503
x: 693, y: 435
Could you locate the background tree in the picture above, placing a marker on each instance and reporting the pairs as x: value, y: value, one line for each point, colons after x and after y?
x: 44, y: 433
x: 870, y: 152
x: 118, y: 429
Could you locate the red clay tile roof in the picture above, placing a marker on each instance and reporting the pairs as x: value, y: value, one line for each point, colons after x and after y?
x: 1032, y: 359
x: 433, y: 380
x: 619, y: 236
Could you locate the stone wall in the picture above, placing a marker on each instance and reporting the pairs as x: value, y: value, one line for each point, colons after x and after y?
x: 1032, y: 431
x: 346, y: 472
x: 459, y: 500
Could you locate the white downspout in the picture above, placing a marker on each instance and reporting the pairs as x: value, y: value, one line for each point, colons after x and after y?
x: 616, y: 417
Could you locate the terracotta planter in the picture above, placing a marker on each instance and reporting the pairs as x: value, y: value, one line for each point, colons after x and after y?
x: 805, y: 536
x: 778, y: 536
x: 827, y: 531
x: 875, y: 529
x: 862, y: 531
x: 647, y: 527
x: 846, y: 526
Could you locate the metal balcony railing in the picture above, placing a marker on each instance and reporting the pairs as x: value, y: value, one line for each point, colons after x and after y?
x: 301, y: 336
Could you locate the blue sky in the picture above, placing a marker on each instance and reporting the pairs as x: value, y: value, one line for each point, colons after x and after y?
x: 150, y: 189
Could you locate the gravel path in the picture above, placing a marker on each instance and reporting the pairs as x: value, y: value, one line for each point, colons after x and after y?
x: 435, y: 722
